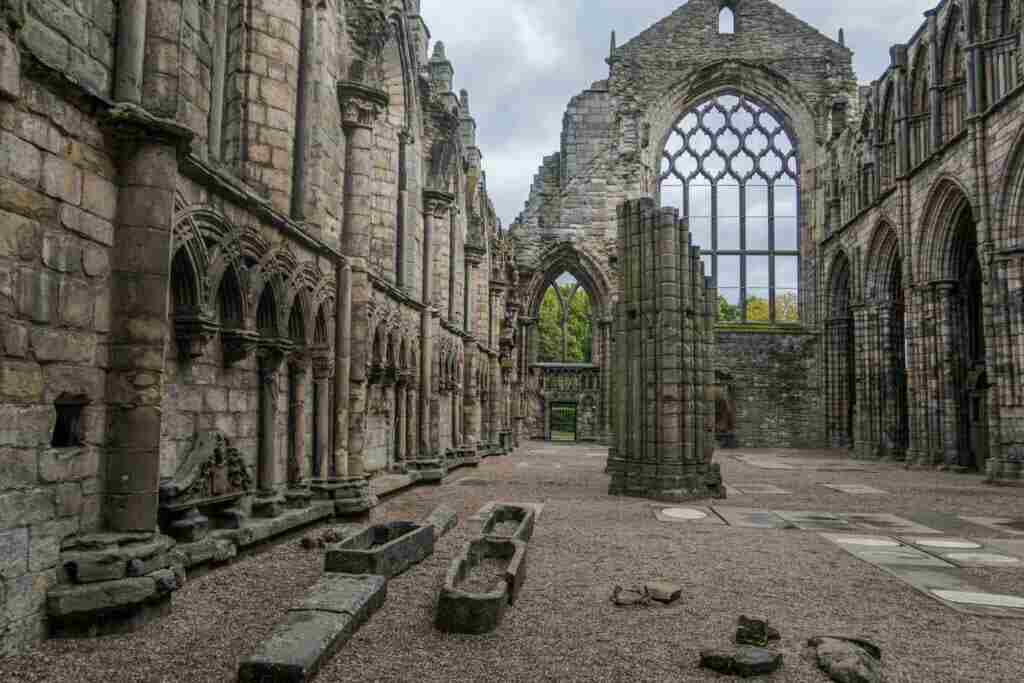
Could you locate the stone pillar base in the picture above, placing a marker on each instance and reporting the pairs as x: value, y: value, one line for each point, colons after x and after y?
x: 298, y: 498
x: 351, y: 496
x: 268, y: 505
x: 687, y: 483
x: 429, y: 471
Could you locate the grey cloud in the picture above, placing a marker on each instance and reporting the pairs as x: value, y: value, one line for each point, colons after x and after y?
x: 522, y: 60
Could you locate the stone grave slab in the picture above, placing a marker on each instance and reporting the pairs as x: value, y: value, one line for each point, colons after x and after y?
x: 981, y: 599
x: 966, y: 553
x: 815, y: 521
x: 751, y: 518
x: 1007, y: 525
x: 686, y: 515
x: 857, y: 489
x: 765, y: 489
x: 887, y: 523
x: 885, y: 551
x: 1010, y: 546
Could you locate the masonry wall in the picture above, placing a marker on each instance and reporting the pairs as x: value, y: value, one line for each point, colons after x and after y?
x: 773, y: 377
x: 57, y: 204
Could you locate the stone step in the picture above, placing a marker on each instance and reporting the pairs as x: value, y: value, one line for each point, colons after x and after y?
x: 315, y: 629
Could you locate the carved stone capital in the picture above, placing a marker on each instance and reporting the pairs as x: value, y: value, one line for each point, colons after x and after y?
x: 193, y: 331
x: 437, y: 203
x: 323, y: 362
x: 360, y: 104
x: 237, y: 345
x: 272, y: 354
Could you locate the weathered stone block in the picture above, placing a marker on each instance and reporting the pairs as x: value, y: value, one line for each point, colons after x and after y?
x: 19, y: 159
x: 510, y: 521
x: 86, y: 224
x: 315, y: 629
x: 20, y: 380
x: 62, y: 179
x: 99, y: 196
x: 443, y: 519
x: 10, y: 68
x: 61, y: 345
x: 14, y: 552
x: 21, y: 508
x: 386, y: 549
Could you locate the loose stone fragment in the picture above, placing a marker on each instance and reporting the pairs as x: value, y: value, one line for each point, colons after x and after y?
x: 717, y: 660
x: 755, y: 661
x: 663, y: 591
x: 754, y: 631
x: 629, y: 597
x: 848, y: 660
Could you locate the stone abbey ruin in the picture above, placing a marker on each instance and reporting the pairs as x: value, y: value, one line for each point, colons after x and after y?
x: 250, y: 269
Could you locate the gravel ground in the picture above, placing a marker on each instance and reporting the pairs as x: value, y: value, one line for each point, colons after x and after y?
x: 563, y: 627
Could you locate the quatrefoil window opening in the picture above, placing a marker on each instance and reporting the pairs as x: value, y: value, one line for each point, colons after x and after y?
x: 731, y: 167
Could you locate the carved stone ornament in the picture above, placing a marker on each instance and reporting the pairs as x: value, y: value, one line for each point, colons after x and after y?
x: 237, y: 345
x: 323, y: 362
x: 360, y: 104
x: 212, y: 471
x: 437, y: 203
x: 193, y: 330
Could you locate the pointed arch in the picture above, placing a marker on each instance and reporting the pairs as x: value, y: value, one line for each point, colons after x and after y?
x: 575, y: 259
x: 267, y: 313
x: 883, y: 272
x: 946, y: 204
x: 840, y: 289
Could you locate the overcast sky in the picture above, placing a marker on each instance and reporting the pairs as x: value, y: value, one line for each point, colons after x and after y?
x: 522, y: 60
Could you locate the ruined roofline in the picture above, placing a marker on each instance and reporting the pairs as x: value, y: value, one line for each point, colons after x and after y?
x: 633, y: 44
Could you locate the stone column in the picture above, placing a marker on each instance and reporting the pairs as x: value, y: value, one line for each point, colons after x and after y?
x: 323, y: 370
x: 663, y: 398
x: 360, y: 106
x: 147, y: 170
x: 268, y: 501
x: 297, y: 406
x: 400, y: 418
x: 934, y: 78
x: 411, y: 430
x: 131, y: 50
x: 605, y: 331
x: 430, y: 465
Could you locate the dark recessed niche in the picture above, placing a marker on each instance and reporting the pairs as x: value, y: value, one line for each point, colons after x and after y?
x: 67, y: 432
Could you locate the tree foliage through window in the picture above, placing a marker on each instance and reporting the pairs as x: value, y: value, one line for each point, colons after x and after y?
x: 565, y: 323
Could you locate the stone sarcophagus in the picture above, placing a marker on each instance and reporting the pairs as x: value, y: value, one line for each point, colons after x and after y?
x: 212, y: 480
x: 662, y: 370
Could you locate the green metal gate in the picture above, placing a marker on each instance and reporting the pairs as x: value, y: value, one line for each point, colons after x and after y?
x: 563, y: 422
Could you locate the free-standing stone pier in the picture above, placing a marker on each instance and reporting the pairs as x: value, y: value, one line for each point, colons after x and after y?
x: 663, y: 376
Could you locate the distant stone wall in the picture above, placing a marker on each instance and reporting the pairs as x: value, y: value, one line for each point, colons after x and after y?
x: 773, y: 379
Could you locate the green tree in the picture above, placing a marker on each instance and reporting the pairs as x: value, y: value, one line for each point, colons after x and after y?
x: 757, y: 309
x: 579, y: 340
x: 727, y: 312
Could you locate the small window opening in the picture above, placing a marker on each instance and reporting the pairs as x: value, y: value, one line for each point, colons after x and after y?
x: 727, y: 21
x: 67, y: 433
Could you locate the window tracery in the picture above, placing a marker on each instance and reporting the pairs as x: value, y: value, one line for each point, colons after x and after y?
x: 732, y: 169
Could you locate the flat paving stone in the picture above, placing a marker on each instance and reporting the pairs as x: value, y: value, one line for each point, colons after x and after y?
x: 985, y: 599
x: 1008, y: 525
x: 857, y: 489
x: 814, y: 521
x: 751, y: 518
x: 865, y: 541
x: 685, y: 515
x: 982, y: 559
x: 765, y: 489
x: 945, y: 543
x: 891, y: 524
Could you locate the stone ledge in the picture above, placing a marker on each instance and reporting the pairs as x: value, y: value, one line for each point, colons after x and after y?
x: 315, y: 629
x: 95, y: 609
x: 261, y: 529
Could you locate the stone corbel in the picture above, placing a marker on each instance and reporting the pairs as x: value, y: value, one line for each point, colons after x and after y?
x: 273, y: 352
x: 323, y: 362
x: 130, y: 125
x: 193, y: 331
x: 360, y: 104
x: 238, y: 344
x: 405, y: 378
x: 437, y: 203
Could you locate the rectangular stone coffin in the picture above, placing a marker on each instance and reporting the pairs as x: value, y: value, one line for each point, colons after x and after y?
x: 464, y: 606
x: 316, y: 628
x: 509, y: 521
x: 383, y: 549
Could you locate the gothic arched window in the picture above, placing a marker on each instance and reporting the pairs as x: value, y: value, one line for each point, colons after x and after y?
x: 566, y: 335
x: 732, y: 169
x: 726, y: 21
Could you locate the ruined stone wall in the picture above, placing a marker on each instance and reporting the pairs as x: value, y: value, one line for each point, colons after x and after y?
x: 57, y: 206
x: 140, y: 241
x: 773, y: 378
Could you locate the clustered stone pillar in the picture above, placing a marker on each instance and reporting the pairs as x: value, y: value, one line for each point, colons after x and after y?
x: 268, y: 501
x: 323, y: 371
x: 297, y: 408
x: 664, y: 327
x: 430, y: 465
x: 360, y: 106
